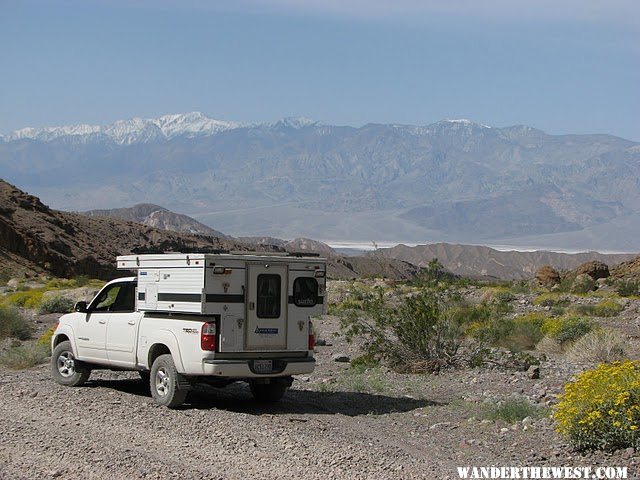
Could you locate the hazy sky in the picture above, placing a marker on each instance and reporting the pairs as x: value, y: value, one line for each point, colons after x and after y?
x: 563, y: 66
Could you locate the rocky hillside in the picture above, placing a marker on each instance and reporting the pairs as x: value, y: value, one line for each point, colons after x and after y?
x: 158, y: 217
x: 478, y: 261
x: 37, y: 239
x: 66, y: 244
x: 627, y: 270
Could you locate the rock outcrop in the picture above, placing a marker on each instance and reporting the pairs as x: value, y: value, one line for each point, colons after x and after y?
x: 594, y: 269
x: 547, y: 275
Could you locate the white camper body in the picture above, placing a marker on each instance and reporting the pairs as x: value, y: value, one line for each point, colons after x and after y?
x: 262, y: 302
x: 188, y: 318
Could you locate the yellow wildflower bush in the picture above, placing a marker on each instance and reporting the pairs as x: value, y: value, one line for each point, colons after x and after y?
x: 26, y: 299
x: 601, y: 408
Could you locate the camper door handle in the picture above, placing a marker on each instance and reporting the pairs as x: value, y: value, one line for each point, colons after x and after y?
x: 252, y: 306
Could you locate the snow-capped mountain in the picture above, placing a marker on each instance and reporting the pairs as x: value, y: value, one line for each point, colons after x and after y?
x: 193, y: 124
x: 131, y: 131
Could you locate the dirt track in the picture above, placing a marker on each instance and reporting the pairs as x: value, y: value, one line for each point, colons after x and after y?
x: 414, y: 427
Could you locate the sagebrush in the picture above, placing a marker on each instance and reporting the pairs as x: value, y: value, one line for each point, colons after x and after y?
x: 13, y: 324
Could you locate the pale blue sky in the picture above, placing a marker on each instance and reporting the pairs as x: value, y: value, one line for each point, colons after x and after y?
x: 567, y: 68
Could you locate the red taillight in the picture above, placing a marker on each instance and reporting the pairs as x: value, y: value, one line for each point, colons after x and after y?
x: 208, y: 336
x: 312, y: 337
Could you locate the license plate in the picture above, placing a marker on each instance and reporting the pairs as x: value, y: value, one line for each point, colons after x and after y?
x: 263, y: 366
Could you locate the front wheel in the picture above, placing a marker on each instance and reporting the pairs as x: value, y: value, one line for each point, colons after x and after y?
x: 268, y: 392
x: 164, y: 383
x: 65, y: 369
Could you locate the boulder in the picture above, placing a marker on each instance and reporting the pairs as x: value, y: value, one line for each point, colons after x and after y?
x: 547, y: 276
x: 594, y: 269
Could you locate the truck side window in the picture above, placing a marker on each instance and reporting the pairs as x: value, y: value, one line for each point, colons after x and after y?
x: 268, y: 296
x: 305, y: 292
x: 119, y: 297
x: 126, y: 299
x: 107, y: 298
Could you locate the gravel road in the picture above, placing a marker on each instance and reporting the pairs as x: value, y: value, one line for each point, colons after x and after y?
x: 407, y: 426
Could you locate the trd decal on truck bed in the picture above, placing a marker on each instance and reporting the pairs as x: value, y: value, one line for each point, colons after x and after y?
x: 266, y: 331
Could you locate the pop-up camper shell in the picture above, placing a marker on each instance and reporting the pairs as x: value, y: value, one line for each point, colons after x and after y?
x: 261, y: 302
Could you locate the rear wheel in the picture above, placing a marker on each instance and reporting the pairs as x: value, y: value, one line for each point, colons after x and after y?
x: 65, y: 369
x: 269, y: 392
x: 164, y: 380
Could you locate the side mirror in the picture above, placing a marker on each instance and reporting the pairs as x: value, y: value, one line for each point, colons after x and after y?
x: 81, y: 307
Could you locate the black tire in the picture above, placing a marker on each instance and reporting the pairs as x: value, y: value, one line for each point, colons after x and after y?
x: 164, y: 380
x: 268, y: 392
x: 65, y: 369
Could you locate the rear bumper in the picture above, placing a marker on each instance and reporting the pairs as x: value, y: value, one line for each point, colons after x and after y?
x: 283, y: 367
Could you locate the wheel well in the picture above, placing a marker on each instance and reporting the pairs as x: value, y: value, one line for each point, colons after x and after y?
x: 155, y: 351
x: 59, y: 339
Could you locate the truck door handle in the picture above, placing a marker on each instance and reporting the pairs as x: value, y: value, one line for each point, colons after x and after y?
x: 252, y: 306
x: 131, y: 322
x: 102, y: 321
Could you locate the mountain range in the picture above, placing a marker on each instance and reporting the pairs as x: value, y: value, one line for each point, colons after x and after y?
x: 471, y: 261
x: 478, y: 261
x: 455, y: 180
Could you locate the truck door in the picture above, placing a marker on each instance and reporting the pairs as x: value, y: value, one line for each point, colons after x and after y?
x: 266, y: 307
x: 92, y: 329
x: 122, y: 327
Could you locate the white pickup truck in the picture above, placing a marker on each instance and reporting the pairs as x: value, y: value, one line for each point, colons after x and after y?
x: 210, y: 318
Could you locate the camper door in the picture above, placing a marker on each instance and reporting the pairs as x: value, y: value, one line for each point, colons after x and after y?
x: 266, y: 307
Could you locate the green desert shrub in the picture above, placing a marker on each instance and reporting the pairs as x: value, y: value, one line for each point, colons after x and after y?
x: 566, y: 330
x: 13, y: 324
x: 551, y: 299
x: 583, y: 284
x: 608, y: 308
x: 503, y: 296
x: 521, y: 286
x: 587, y: 310
x: 601, y: 408
x: 513, y: 410
x: 61, y: 284
x: 24, y: 356
x: 57, y: 304
x: 423, y: 334
x: 627, y: 287
x: 605, y: 308
x: 516, y: 334
x: 526, y: 332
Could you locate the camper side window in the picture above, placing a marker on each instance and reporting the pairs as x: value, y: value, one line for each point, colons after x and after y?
x: 268, y: 296
x: 305, y: 292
